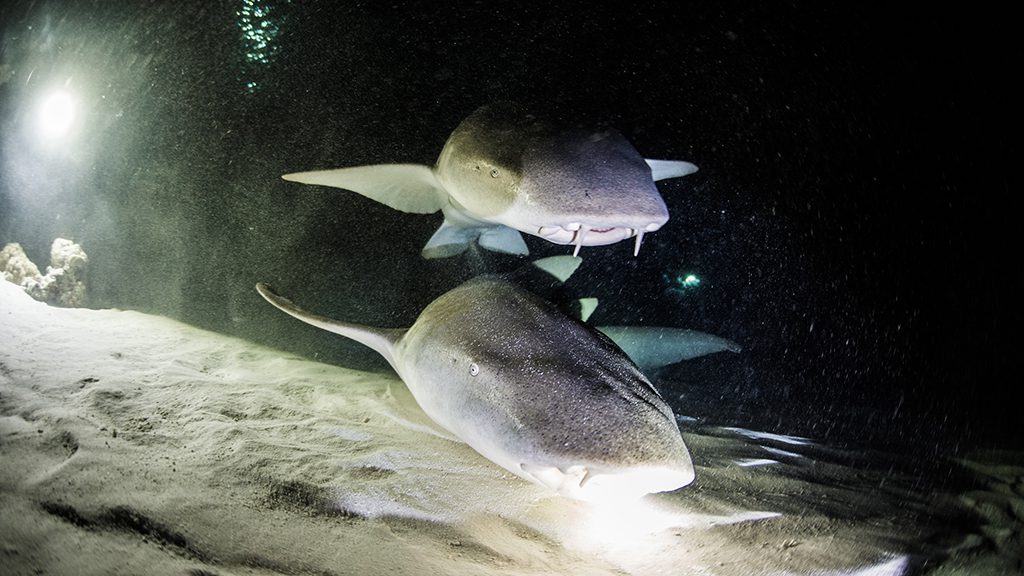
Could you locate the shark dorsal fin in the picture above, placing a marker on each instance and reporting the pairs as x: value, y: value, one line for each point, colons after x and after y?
x: 558, y: 267
x: 381, y: 340
x: 586, y: 307
x: 410, y: 188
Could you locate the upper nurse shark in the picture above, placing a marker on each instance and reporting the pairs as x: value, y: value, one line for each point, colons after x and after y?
x: 504, y: 171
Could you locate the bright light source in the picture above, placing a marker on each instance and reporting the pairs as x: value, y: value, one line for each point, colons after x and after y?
x: 56, y: 114
x: 641, y: 535
x: 616, y: 521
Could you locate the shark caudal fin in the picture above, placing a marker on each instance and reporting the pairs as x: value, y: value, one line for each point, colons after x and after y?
x: 654, y: 347
x: 406, y: 187
x: 381, y: 340
x: 662, y: 169
x: 452, y: 239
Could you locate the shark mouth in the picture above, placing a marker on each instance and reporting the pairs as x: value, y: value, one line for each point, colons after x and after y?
x: 583, y: 235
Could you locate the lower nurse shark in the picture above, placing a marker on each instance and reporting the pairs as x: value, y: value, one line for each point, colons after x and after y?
x: 504, y: 171
x: 541, y: 394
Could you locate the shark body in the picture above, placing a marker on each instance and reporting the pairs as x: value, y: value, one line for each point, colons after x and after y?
x: 535, y: 391
x: 504, y: 171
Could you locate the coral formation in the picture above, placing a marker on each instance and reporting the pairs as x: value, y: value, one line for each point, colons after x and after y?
x: 15, y: 265
x: 64, y: 281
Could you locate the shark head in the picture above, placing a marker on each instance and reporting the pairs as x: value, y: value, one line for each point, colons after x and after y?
x: 587, y: 189
x: 567, y: 186
x: 542, y: 395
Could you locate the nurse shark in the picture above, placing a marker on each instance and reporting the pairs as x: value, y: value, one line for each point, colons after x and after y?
x: 541, y: 394
x: 504, y: 171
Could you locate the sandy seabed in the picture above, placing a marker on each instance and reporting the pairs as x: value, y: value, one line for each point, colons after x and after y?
x: 134, y: 444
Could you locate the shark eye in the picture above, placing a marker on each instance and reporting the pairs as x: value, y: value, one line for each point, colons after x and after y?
x: 474, y: 369
x: 494, y: 172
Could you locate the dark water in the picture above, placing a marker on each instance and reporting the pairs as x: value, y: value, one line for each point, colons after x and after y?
x: 850, y: 224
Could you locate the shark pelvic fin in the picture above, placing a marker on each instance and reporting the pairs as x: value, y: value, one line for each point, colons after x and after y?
x: 449, y: 240
x: 662, y: 169
x: 406, y: 187
x: 452, y: 239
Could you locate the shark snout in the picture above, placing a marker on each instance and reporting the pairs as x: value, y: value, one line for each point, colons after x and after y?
x: 596, y: 483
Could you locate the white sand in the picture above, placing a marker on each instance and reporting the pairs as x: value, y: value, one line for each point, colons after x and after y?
x: 133, y: 444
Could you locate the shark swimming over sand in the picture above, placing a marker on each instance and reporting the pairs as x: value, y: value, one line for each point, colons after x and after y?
x: 537, y: 392
x: 504, y: 171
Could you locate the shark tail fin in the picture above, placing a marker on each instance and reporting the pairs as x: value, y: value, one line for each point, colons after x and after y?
x: 662, y: 169
x: 654, y: 347
x: 406, y: 187
x: 452, y: 239
x: 381, y: 340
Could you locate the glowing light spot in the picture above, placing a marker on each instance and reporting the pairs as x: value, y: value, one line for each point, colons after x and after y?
x: 681, y: 283
x: 56, y: 114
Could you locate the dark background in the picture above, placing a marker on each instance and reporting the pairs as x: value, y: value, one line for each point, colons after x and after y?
x: 851, y: 221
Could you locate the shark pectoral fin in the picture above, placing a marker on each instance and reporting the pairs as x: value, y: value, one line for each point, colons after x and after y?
x: 662, y: 169
x: 449, y: 240
x: 406, y: 187
x: 503, y: 239
x: 653, y: 347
